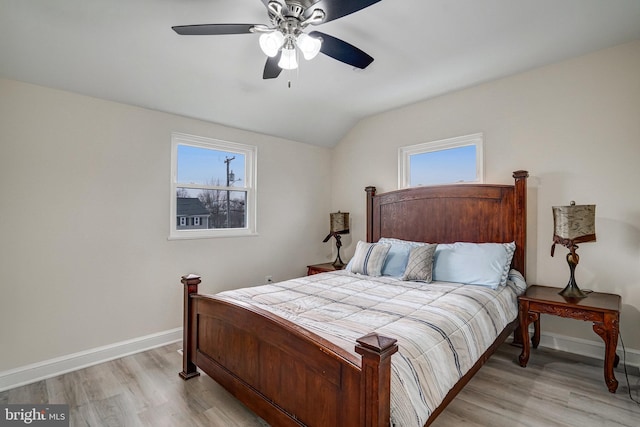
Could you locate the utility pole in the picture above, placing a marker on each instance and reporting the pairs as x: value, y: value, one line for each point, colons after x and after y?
x: 227, y: 160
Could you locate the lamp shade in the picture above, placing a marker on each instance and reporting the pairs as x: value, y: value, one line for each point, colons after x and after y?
x: 574, y: 223
x: 339, y: 222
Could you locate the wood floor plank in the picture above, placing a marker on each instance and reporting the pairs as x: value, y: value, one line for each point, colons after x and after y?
x: 35, y: 393
x: 556, y: 389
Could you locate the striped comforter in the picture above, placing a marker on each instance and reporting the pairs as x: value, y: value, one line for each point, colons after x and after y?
x: 442, y: 328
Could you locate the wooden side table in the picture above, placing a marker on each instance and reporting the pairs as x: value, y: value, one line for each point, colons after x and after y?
x: 322, y: 268
x: 601, y: 309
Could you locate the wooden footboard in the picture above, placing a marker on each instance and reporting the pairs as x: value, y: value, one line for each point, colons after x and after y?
x: 284, y: 373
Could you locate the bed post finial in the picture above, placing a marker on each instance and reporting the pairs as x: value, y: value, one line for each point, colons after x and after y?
x: 189, y: 369
x: 375, y: 383
x: 371, y: 191
x: 520, y: 175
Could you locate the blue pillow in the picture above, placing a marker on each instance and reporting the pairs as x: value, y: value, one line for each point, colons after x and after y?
x: 485, y: 264
x: 396, y: 262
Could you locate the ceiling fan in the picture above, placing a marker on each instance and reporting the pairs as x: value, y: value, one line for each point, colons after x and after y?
x: 288, y: 20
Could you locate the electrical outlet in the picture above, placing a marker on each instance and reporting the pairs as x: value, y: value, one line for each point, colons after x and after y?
x: 268, y: 279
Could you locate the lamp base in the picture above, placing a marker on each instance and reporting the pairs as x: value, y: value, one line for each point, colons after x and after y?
x: 338, y: 263
x: 572, y: 291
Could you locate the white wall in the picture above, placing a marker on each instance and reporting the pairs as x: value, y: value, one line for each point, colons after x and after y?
x: 85, y: 261
x: 575, y: 126
x: 84, y: 257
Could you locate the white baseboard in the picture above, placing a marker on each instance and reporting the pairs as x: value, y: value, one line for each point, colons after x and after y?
x: 71, y: 362
x: 593, y: 349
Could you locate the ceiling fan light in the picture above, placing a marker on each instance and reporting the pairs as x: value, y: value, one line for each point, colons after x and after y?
x: 288, y: 60
x: 270, y: 43
x: 309, y: 46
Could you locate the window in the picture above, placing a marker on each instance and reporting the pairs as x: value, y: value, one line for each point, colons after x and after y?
x: 448, y: 161
x: 213, y: 188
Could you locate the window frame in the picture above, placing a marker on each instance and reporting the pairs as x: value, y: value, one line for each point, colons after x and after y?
x: 249, y: 152
x: 405, y: 153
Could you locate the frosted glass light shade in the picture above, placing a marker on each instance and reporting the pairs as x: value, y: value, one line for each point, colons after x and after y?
x: 288, y: 60
x: 270, y: 43
x: 309, y: 46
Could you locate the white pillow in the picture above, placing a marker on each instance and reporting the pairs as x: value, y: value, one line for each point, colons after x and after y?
x: 369, y: 258
x: 485, y: 264
x: 394, y: 241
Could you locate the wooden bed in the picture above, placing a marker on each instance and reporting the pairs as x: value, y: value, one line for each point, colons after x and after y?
x: 290, y: 376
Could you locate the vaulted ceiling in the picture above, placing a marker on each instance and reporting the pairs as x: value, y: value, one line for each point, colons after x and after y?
x: 125, y: 51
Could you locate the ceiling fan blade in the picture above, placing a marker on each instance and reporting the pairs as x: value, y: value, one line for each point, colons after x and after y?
x: 335, y: 9
x: 271, y: 68
x: 342, y: 51
x: 213, y: 29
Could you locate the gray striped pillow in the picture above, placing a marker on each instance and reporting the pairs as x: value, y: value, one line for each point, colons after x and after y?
x: 369, y: 258
x: 420, y: 264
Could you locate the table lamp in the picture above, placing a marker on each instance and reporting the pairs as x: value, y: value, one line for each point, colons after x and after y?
x: 573, y: 224
x: 338, y: 224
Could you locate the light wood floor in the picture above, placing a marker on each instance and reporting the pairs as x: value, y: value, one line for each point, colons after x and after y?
x: 556, y: 389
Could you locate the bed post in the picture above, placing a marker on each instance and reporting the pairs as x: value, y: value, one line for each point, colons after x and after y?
x: 520, y: 205
x: 371, y: 191
x: 189, y: 369
x: 375, y: 382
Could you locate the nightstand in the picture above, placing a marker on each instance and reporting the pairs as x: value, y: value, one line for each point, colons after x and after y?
x: 322, y: 268
x: 601, y: 309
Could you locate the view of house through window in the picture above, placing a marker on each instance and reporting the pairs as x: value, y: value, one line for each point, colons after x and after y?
x: 213, y: 187
x: 448, y: 161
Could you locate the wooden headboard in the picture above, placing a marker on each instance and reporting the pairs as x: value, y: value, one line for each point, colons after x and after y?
x: 453, y: 213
